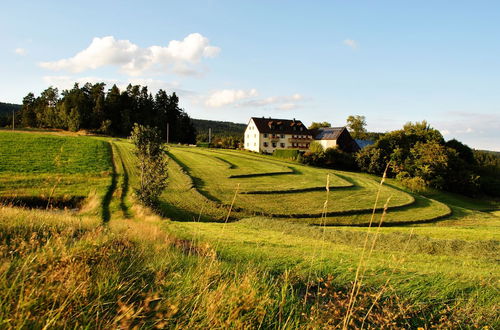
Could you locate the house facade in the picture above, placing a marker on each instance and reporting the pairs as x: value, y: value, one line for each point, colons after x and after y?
x: 268, y: 134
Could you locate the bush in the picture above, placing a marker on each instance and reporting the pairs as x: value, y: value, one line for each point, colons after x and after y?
x: 203, y: 145
x: 338, y: 159
x: 313, y: 158
x: 291, y: 154
x: 151, y: 156
x: 316, y: 147
x: 415, y: 184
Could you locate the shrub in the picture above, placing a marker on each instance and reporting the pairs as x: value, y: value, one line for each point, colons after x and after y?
x: 336, y: 158
x: 151, y: 155
x: 415, y: 184
x: 292, y: 154
x: 313, y: 158
x: 316, y: 147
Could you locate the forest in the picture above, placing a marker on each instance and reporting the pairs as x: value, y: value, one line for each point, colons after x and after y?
x: 111, y: 112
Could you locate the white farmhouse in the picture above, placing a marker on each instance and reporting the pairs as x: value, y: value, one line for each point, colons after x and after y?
x: 269, y: 134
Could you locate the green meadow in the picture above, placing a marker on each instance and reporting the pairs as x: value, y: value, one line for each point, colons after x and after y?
x: 38, y: 166
x: 240, y: 240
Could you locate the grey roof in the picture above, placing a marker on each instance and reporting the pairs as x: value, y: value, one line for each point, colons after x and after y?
x: 364, y: 143
x: 328, y: 133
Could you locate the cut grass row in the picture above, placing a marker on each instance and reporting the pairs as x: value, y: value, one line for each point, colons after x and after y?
x: 346, y: 206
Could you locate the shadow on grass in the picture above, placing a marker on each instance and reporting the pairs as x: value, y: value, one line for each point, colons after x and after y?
x: 125, y: 188
x: 106, y: 200
x: 294, y: 191
x: 198, y: 183
x: 175, y: 213
x: 42, y: 203
x: 230, y: 165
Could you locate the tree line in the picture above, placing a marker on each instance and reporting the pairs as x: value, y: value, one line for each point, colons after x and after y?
x: 111, y: 112
x: 417, y: 155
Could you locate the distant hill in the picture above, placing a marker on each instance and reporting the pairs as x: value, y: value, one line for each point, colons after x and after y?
x: 6, y: 108
x: 219, y: 128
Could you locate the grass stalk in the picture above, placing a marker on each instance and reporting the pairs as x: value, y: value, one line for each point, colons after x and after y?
x: 356, y: 283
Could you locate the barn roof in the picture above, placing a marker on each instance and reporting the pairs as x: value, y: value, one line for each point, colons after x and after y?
x: 328, y: 133
x: 364, y: 143
x: 284, y: 126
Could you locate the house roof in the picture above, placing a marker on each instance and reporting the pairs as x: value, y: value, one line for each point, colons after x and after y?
x: 328, y: 133
x: 364, y: 143
x: 284, y: 126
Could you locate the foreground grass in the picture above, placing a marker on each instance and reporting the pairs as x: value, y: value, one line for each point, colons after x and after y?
x: 64, y: 270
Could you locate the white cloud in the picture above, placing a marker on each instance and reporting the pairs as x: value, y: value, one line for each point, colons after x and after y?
x: 224, y: 97
x: 20, y: 51
x: 478, y: 130
x: 248, y: 99
x: 351, y: 43
x: 276, y: 102
x: 179, y: 56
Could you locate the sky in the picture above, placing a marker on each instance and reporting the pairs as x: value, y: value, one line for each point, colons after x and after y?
x: 390, y: 61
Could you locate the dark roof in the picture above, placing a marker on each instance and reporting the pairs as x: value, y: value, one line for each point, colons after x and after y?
x: 364, y: 143
x: 328, y: 133
x: 284, y: 126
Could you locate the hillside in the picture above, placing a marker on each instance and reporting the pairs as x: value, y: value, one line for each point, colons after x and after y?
x: 230, y: 248
x: 219, y: 128
x: 7, y: 108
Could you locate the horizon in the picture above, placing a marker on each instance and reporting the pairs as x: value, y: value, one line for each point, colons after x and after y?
x: 391, y: 62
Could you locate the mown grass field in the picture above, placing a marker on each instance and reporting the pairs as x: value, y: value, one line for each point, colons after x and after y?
x: 36, y: 167
x: 197, y: 266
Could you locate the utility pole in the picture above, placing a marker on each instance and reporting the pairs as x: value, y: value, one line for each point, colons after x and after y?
x: 168, y: 132
x: 209, y: 135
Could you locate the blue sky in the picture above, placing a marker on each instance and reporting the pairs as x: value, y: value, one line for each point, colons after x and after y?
x: 391, y: 61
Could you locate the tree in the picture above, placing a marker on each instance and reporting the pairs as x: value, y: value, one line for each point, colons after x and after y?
x: 315, y: 125
x: 28, y: 117
x: 151, y: 155
x: 356, y: 125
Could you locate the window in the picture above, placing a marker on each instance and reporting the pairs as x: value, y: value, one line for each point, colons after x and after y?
x: 248, y: 136
x: 282, y: 136
x: 282, y: 145
x: 301, y: 129
x: 265, y: 144
x: 265, y: 135
x: 248, y: 144
x: 255, y: 135
x: 274, y: 144
x: 254, y: 144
